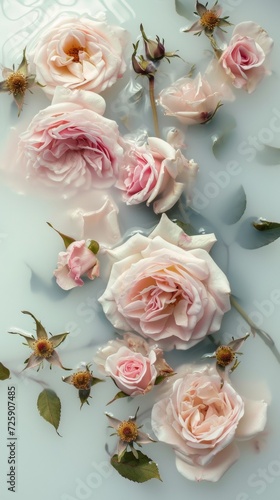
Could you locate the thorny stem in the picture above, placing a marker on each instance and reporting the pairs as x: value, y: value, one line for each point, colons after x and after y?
x: 153, y: 104
x: 262, y: 334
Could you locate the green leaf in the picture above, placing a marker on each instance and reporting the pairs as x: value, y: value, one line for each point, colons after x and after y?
x: 66, y: 239
x: 137, y: 470
x: 265, y: 225
x: 49, y: 407
x: 4, y: 372
x: 119, y: 395
x: 161, y: 378
x: 249, y: 238
x: 236, y: 206
x: 93, y: 246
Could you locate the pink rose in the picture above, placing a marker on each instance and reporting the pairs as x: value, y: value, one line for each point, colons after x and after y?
x: 200, y: 420
x: 132, y: 372
x: 172, y: 295
x: 132, y: 363
x: 70, y: 144
x: 245, y: 57
x: 76, y: 261
x: 194, y: 101
x: 80, y: 53
x: 155, y: 173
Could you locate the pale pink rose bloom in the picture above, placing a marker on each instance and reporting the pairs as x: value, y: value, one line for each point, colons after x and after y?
x: 77, y: 260
x: 70, y: 145
x: 244, y: 60
x: 194, y: 100
x: 201, y: 420
x: 155, y: 173
x: 133, y: 373
x: 80, y: 53
x: 135, y: 344
x: 172, y: 295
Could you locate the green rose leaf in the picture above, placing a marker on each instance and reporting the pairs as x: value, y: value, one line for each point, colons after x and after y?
x: 93, y: 246
x: 254, y: 234
x: 49, y: 407
x: 236, y: 206
x: 265, y: 225
x: 67, y: 240
x: 139, y: 469
x: 161, y: 378
x: 119, y: 395
x: 4, y: 372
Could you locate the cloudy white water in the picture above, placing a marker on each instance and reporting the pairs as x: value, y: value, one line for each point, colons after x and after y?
x: 75, y: 466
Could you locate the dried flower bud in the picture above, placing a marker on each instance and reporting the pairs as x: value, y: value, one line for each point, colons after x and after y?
x: 17, y: 82
x: 154, y: 49
x: 140, y: 65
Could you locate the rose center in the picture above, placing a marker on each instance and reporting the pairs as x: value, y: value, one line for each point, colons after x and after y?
x: 17, y: 83
x: 209, y: 20
x: 43, y: 348
x: 224, y: 355
x: 74, y: 52
x: 127, y: 431
x: 81, y: 380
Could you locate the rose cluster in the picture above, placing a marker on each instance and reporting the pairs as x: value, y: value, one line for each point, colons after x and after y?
x: 164, y: 289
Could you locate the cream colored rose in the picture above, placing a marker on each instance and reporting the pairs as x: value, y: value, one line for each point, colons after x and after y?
x: 80, y: 53
x: 194, y: 100
x: 166, y: 287
x: 200, y: 420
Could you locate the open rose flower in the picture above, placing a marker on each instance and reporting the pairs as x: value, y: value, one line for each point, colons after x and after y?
x: 134, y: 364
x: 132, y: 372
x: 77, y: 260
x: 244, y: 60
x: 70, y: 145
x: 80, y: 53
x: 201, y: 420
x: 156, y: 173
x: 194, y: 100
x: 174, y: 295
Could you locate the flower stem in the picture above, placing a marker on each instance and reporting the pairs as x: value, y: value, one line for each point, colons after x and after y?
x: 153, y: 104
x: 254, y: 328
x: 218, y: 52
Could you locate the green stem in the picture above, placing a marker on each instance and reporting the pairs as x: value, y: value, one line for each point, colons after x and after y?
x: 255, y: 329
x: 153, y: 104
